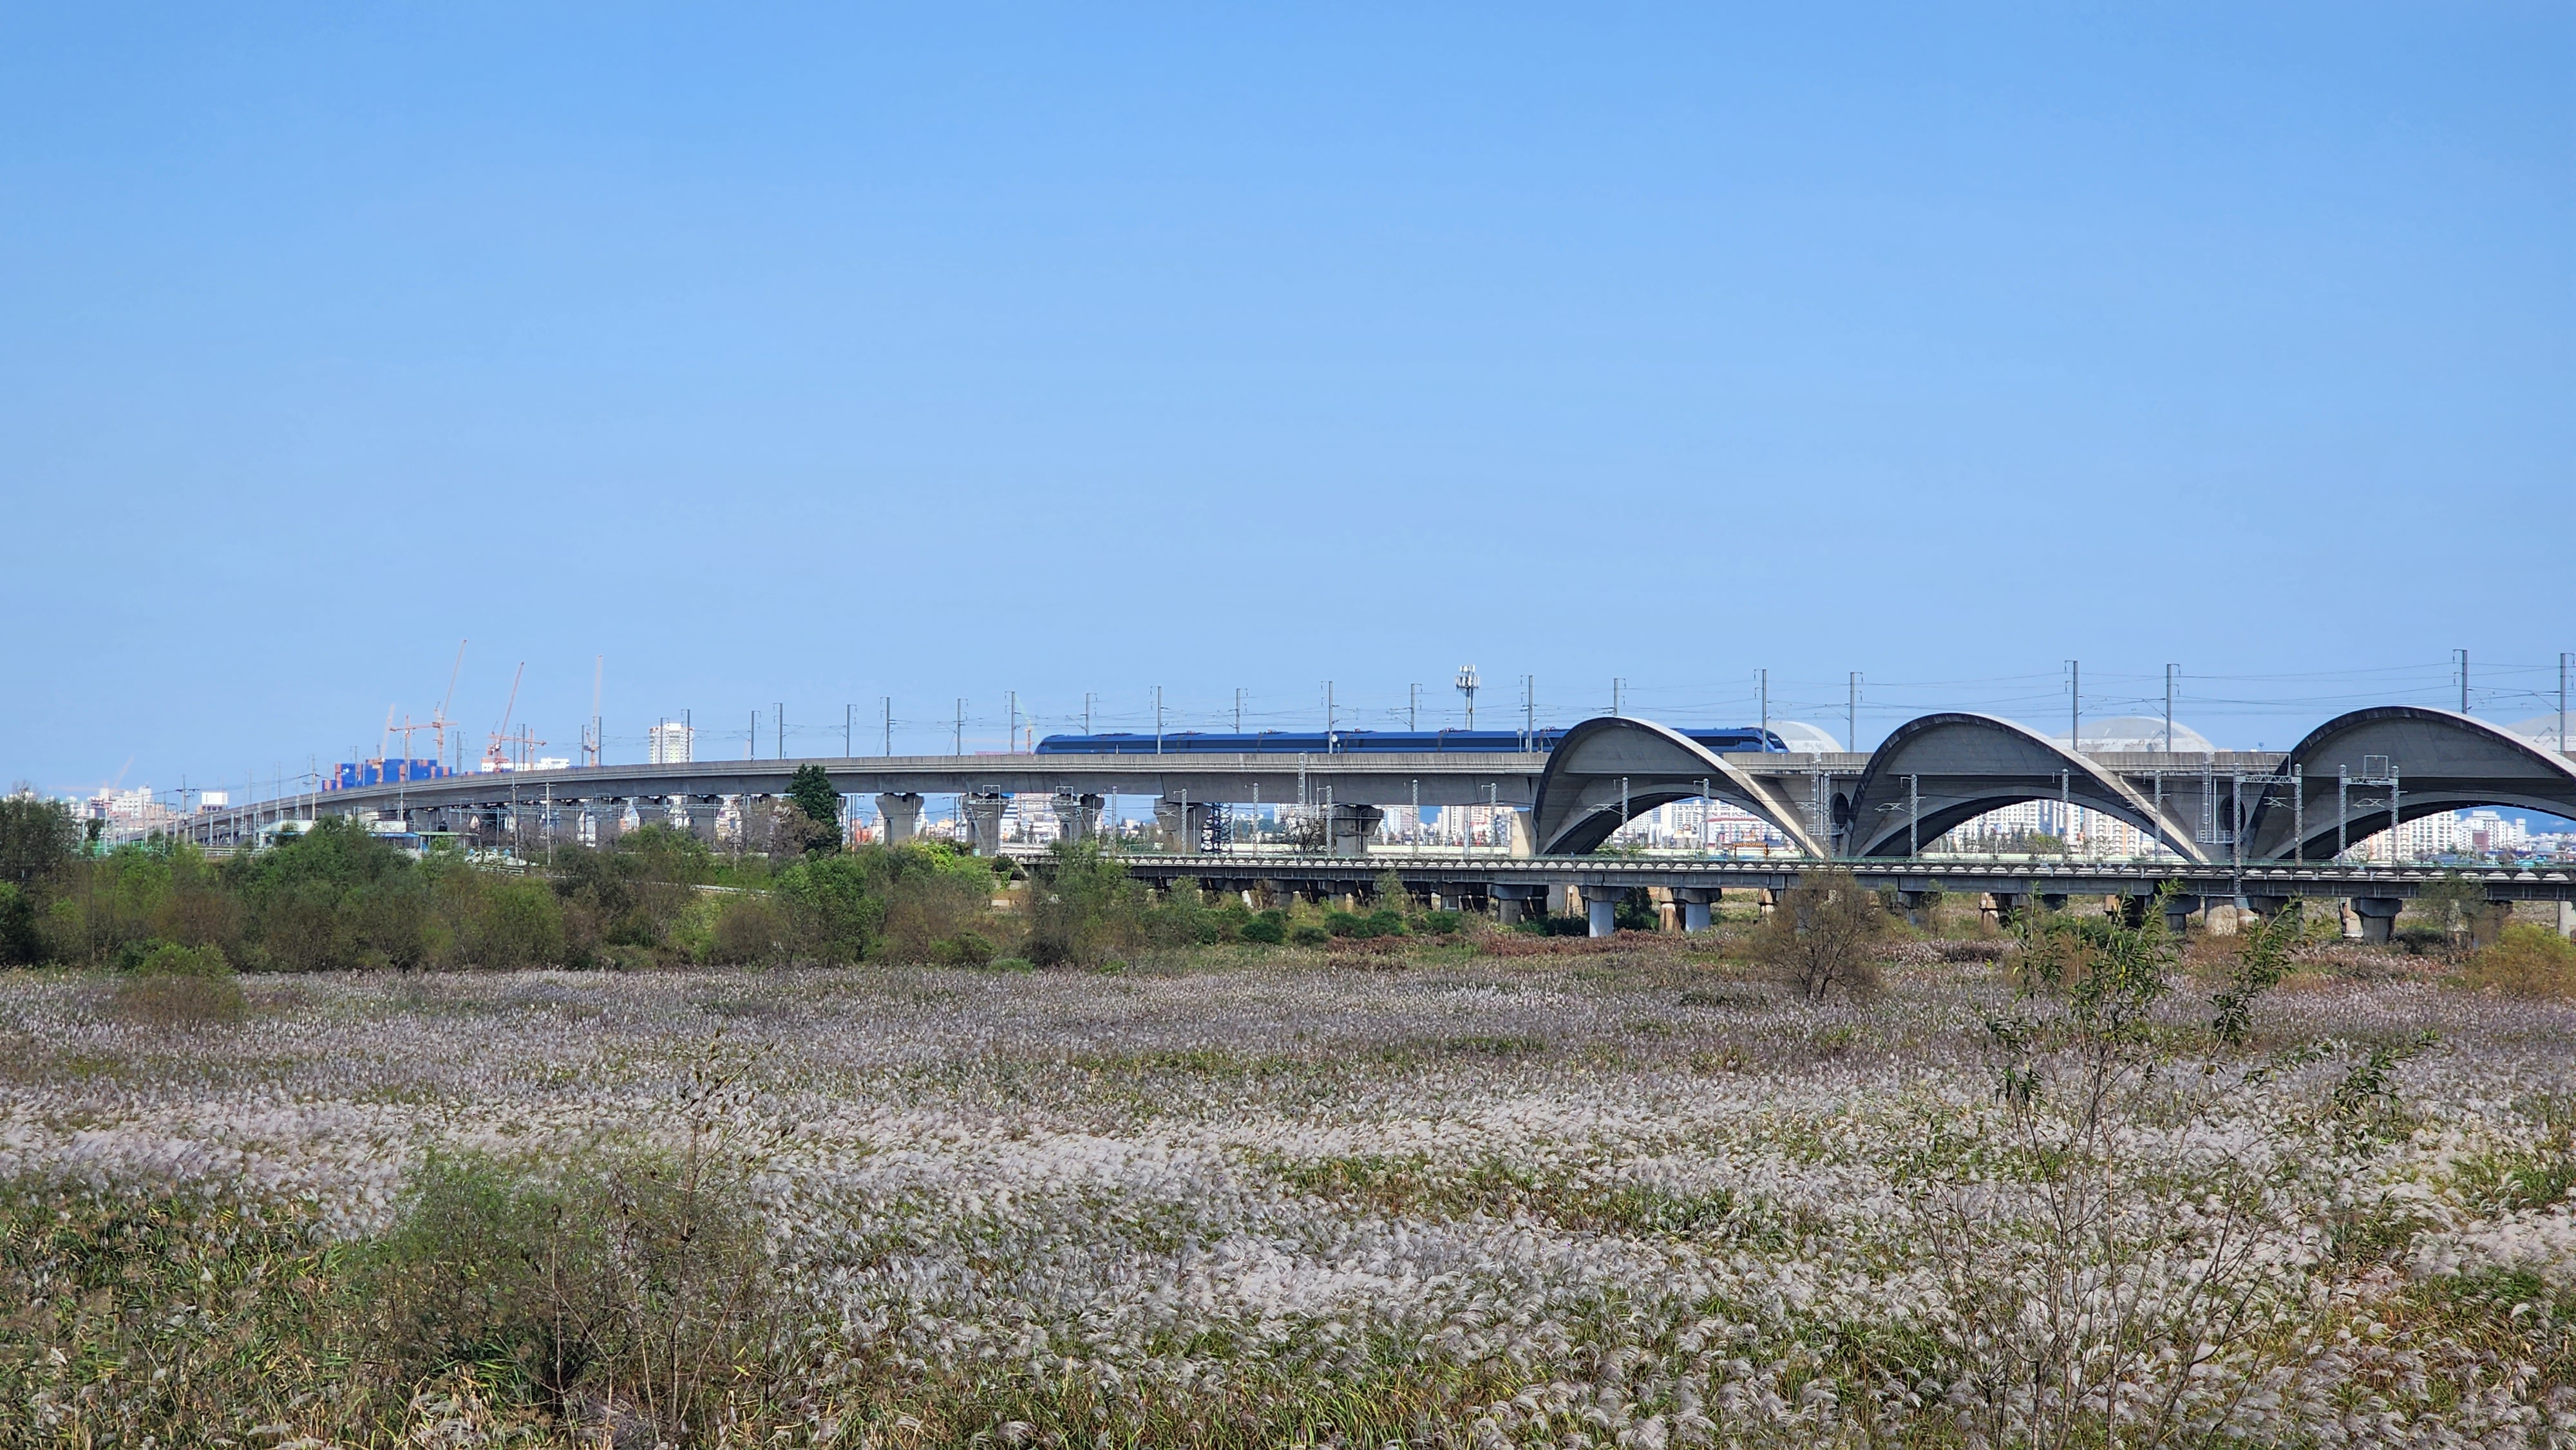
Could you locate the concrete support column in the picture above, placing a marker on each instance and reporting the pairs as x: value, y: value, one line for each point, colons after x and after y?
x: 2378, y: 917
x: 1352, y: 827
x: 900, y: 816
x: 984, y: 811
x: 2264, y: 908
x: 2001, y: 906
x: 652, y: 811
x: 1517, y: 901
x: 1080, y: 814
x: 1600, y: 903
x: 1523, y: 843
x: 1184, y: 823
x: 2179, y: 911
x: 1694, y: 902
x: 2566, y: 918
x: 1917, y: 906
x: 704, y: 811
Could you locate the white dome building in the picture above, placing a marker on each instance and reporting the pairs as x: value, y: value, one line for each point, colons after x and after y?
x: 2542, y: 730
x: 2139, y: 734
x: 1805, y: 739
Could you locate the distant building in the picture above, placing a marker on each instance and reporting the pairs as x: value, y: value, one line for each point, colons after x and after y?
x: 670, y: 743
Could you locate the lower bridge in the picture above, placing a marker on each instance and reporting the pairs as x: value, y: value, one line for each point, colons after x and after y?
x: 2363, y: 773
x: 1513, y: 888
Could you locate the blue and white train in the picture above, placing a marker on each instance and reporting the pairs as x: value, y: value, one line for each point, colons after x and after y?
x: 1364, y: 742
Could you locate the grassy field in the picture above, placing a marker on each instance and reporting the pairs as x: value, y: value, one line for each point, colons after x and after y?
x: 1422, y: 1195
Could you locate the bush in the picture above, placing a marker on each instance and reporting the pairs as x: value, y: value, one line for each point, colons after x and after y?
x: 749, y: 928
x: 1342, y: 923
x: 1269, y: 928
x: 932, y: 893
x: 22, y: 942
x: 968, y: 948
x: 1440, y: 923
x: 2526, y: 961
x: 517, y: 923
x: 638, y: 1280
x: 1554, y: 926
x: 179, y: 986
x: 1820, y: 935
x: 1309, y: 936
x: 1082, y: 906
x: 836, y: 916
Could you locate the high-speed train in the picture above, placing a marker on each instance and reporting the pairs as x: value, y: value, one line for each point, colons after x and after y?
x: 1364, y: 742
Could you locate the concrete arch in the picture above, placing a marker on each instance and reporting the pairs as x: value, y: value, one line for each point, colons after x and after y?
x: 2444, y: 761
x: 1578, y: 802
x: 1966, y: 765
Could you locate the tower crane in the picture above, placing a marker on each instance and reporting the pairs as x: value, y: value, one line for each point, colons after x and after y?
x: 438, y: 721
x: 494, y: 757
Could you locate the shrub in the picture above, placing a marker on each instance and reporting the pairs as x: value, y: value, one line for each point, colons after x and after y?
x: 749, y: 928
x: 1440, y: 923
x: 638, y: 1280
x: 1343, y: 923
x: 179, y: 986
x: 932, y: 893
x: 1819, y: 936
x: 2526, y: 961
x: 968, y: 948
x: 1309, y: 935
x: 1082, y: 906
x: 517, y: 923
x: 1269, y: 928
x: 1554, y: 926
x: 836, y: 916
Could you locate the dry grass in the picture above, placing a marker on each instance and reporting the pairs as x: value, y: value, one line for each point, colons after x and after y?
x: 2525, y: 961
x: 1607, y: 1195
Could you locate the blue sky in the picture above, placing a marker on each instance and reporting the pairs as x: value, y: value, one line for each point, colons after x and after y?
x: 819, y: 356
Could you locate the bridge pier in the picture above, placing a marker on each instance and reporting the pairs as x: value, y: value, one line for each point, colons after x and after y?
x: 1516, y: 901
x: 2179, y: 910
x: 702, y: 814
x: 1352, y: 827
x: 984, y: 810
x: 2378, y: 917
x: 1694, y: 903
x: 1601, y: 906
x: 1079, y: 814
x: 898, y: 816
x: 1185, y: 824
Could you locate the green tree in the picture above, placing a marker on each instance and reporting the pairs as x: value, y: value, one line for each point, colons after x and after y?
x: 1082, y: 905
x: 810, y: 790
x: 36, y: 838
x: 2458, y: 908
x: 835, y: 910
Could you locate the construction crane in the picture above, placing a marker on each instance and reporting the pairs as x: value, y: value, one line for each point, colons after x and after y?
x: 494, y: 757
x: 438, y: 721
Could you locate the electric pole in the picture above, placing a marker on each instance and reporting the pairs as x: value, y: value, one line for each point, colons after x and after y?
x: 2169, y: 693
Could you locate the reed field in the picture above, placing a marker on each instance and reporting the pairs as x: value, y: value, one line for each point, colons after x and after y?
x: 1487, y: 1191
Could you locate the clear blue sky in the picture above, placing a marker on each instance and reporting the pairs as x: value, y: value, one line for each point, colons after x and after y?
x: 818, y: 356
